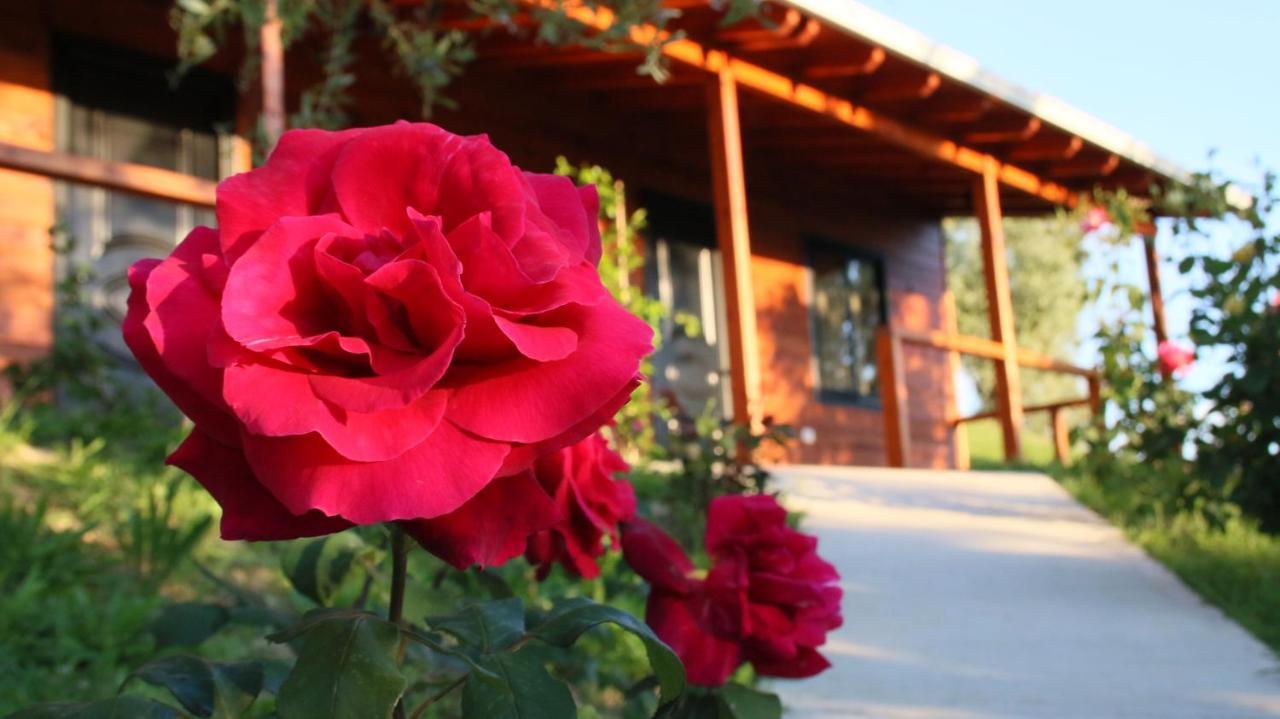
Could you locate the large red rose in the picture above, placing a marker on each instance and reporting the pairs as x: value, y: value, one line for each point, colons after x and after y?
x: 591, y: 500
x: 768, y: 598
x: 388, y: 324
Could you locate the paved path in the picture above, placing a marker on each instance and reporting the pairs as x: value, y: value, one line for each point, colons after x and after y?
x: 996, y: 596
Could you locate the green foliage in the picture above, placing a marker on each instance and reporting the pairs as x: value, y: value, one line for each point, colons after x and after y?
x: 205, y: 688
x: 428, y: 53
x: 347, y: 668
x: 708, y: 451
x: 1045, y: 281
x: 621, y: 263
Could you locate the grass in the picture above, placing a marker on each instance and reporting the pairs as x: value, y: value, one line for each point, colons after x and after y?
x: 1236, y: 567
x: 986, y: 448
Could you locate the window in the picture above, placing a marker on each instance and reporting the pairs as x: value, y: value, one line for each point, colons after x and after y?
x: 684, y: 273
x: 119, y: 106
x: 848, y: 307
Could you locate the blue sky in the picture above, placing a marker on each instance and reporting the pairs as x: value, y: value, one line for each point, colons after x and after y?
x: 1186, y: 77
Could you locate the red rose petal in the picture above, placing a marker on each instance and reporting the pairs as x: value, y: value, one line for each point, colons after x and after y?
x: 433, y: 478
x: 491, y: 528
x: 293, y: 182
x: 528, y: 401
x: 708, y: 660
x: 655, y: 556
x: 248, y: 510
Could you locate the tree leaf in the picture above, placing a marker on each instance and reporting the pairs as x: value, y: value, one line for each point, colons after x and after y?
x: 569, y: 619
x: 488, y: 626
x: 115, y: 708
x: 205, y: 688
x: 520, y: 688
x: 188, y: 623
x: 316, y: 568
x: 740, y: 702
x: 346, y: 670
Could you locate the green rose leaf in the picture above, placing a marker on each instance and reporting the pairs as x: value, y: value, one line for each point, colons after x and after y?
x: 317, y: 568
x: 346, y: 668
x: 187, y: 624
x: 691, y: 705
x: 114, y: 708
x: 487, y: 626
x: 739, y: 702
x: 569, y: 619
x: 205, y: 688
x: 518, y: 687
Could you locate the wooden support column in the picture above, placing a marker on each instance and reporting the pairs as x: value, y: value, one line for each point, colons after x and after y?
x: 729, y: 192
x: 272, y: 47
x: 959, y: 430
x: 1153, y: 281
x: 986, y: 203
x: 1061, y: 435
x: 893, y: 398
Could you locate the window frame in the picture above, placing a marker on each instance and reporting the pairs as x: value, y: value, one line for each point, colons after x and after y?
x: 876, y: 259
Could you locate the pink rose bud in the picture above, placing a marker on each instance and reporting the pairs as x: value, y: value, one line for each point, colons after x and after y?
x: 1175, y: 358
x: 1095, y: 219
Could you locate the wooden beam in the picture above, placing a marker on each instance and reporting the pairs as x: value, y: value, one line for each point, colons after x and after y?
x: 893, y: 398
x: 1153, y: 282
x: 1030, y: 409
x: 803, y: 37
x: 1043, y: 149
x: 729, y: 194
x: 814, y: 100
x: 986, y: 202
x: 124, y: 176
x: 852, y: 67
x: 1013, y: 129
x: 271, y: 44
x: 903, y: 88
x: 947, y: 110
x: 1086, y: 167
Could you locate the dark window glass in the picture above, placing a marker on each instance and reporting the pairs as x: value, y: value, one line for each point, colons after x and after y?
x: 848, y: 307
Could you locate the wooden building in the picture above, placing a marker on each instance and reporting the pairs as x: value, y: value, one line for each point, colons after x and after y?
x: 796, y: 169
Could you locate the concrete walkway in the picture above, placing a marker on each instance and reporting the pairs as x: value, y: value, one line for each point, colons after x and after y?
x: 987, y: 595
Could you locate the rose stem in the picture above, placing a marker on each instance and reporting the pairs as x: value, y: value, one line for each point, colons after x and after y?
x: 399, y: 568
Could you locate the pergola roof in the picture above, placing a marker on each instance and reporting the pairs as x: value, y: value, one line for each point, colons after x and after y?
x: 833, y: 88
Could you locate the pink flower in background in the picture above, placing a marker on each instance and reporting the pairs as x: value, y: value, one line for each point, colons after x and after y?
x: 1175, y: 358
x: 592, y: 500
x: 1095, y: 219
x: 768, y: 598
x: 389, y: 324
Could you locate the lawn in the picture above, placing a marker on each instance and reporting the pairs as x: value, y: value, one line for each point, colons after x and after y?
x: 1236, y: 568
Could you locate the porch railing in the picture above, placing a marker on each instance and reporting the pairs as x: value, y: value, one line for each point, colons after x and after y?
x: 894, y: 390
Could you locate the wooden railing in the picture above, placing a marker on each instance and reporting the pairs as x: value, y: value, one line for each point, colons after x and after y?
x: 894, y: 391
x: 123, y: 176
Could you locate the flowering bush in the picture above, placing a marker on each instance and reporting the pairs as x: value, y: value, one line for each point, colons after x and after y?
x: 395, y: 333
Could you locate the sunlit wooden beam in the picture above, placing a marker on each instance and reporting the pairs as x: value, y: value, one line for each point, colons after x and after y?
x: 1013, y: 129
x: 949, y: 110
x: 812, y: 99
x: 995, y: 264
x: 1086, y: 167
x: 1048, y: 148
x: 853, y: 67
x: 903, y: 88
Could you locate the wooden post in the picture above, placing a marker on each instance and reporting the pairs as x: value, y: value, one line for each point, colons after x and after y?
x: 272, y: 48
x: 729, y: 192
x: 893, y: 398
x: 1061, y: 436
x: 986, y: 203
x: 959, y: 430
x: 1095, y: 394
x: 1153, y: 281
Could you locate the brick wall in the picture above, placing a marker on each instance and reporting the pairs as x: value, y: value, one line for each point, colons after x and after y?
x: 26, y: 201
